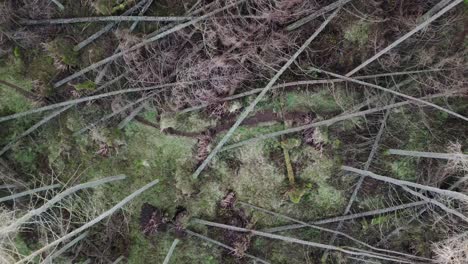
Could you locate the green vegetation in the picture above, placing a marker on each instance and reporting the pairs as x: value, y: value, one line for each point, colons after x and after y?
x: 298, y: 174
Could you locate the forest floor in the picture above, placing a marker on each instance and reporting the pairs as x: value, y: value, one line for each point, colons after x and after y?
x: 167, y: 133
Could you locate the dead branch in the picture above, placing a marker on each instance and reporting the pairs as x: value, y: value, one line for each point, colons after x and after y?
x: 101, y: 73
x: 56, y: 199
x: 60, y: 21
x: 434, y: 9
x: 141, y: 13
x: 58, y: 4
x: 109, y: 116
x: 90, y: 223
x: 316, y: 14
x: 346, y: 217
x: 67, y: 246
x: 330, y: 121
x: 215, y: 242
x: 87, y: 99
x: 130, y: 116
x: 118, y: 260
x: 435, y: 202
x: 431, y: 155
x: 329, y: 230
x: 33, y: 128
x: 143, y: 43
x: 394, y: 92
x: 270, y: 84
x: 108, y: 27
x: 404, y: 37
x: 448, y: 193
x: 20, y: 90
x: 419, y: 213
x: 171, y: 251
x: 299, y: 241
x: 29, y: 192
x: 310, y: 82
x: 375, y: 146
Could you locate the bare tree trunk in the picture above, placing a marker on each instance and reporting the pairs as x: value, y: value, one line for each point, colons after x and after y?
x: 432, y: 155
x: 448, y: 193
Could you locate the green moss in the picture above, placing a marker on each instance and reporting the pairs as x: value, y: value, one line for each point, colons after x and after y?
x: 322, y: 102
x: 62, y: 50
x: 108, y: 7
x: 87, y: 85
x: 40, y: 67
x: 154, y: 250
x: 192, y: 122
x: 358, y: 32
x: 10, y: 100
x: 17, y: 52
x: 372, y: 203
x: 21, y: 246
x: 405, y: 169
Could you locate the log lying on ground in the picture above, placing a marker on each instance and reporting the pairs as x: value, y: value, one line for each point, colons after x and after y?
x: 331, y: 231
x: 346, y: 217
x: 432, y: 155
x: 29, y: 192
x: 350, y: 251
x: 447, y: 193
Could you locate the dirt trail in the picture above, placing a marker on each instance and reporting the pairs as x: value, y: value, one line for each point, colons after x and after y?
x: 228, y: 121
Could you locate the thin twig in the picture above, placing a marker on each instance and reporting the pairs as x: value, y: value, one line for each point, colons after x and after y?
x: 404, y: 37
x: 259, y: 97
x: 171, y: 251
x: 90, y: 223
x: 29, y: 192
